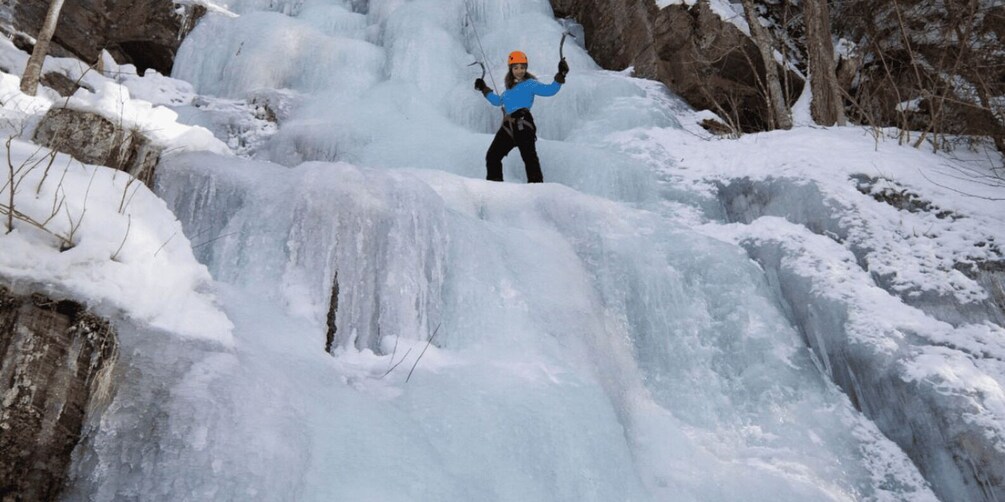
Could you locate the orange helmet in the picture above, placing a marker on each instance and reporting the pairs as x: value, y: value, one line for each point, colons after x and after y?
x: 517, y: 57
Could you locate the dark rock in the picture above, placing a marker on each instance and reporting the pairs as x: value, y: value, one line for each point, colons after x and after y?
x: 900, y: 198
x: 56, y: 361
x: 265, y: 112
x: 93, y: 139
x: 23, y: 42
x: 708, y: 62
x: 274, y: 105
x: 332, y: 316
x: 618, y: 32
x: 145, y: 33
x: 62, y: 84
x: 716, y: 127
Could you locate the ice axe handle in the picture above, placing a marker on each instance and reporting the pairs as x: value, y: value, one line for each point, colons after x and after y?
x: 561, y: 45
x: 479, y: 63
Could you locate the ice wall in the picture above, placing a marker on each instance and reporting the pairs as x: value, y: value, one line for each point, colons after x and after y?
x: 588, y: 336
x: 564, y: 341
x: 939, y: 365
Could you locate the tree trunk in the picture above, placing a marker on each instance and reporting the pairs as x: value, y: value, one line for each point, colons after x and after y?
x: 776, y: 98
x: 33, y: 70
x: 827, y: 107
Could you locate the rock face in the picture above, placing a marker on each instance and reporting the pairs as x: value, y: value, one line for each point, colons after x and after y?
x: 708, y: 62
x: 145, y: 33
x: 93, y: 139
x: 55, y: 366
x: 713, y: 65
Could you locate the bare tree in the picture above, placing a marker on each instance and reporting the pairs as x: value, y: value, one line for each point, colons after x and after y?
x: 779, y: 111
x: 33, y: 70
x: 933, y: 69
x: 827, y: 106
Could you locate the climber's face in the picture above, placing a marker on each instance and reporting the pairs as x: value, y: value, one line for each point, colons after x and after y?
x: 519, y: 71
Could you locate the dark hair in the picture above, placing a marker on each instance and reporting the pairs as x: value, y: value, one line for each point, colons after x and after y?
x: 511, y: 80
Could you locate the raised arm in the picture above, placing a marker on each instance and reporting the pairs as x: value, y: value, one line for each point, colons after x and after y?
x: 547, y: 90
x: 494, y: 98
x: 552, y: 88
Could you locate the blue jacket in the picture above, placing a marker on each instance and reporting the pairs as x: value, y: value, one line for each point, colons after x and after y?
x: 522, y: 95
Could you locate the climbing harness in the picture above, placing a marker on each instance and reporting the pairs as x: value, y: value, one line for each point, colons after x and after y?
x: 517, y: 122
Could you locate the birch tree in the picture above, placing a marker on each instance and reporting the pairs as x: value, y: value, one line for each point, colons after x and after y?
x: 777, y: 108
x: 33, y: 70
x: 827, y: 106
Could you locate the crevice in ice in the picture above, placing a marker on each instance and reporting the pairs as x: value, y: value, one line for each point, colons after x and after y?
x: 332, y: 315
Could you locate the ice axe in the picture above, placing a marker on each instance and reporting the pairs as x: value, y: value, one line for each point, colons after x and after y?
x: 561, y: 45
x: 479, y: 63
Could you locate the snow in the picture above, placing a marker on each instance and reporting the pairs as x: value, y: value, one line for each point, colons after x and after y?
x: 912, y: 105
x: 125, y: 241
x: 665, y: 319
x: 208, y: 4
x: 118, y: 256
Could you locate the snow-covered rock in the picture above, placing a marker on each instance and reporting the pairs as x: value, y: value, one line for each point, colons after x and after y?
x: 93, y: 139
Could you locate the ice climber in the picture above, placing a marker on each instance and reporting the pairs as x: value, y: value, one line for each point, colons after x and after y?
x: 518, y: 129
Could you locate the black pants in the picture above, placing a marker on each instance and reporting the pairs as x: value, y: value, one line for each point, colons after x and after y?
x: 520, y: 133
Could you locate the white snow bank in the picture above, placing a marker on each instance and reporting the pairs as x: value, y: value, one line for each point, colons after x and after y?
x: 128, y: 252
x: 917, y: 251
x: 111, y: 97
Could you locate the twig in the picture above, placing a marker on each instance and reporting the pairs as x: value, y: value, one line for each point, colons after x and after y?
x: 214, y: 239
x: 57, y: 204
x: 10, y: 181
x: 165, y: 243
x: 129, y: 224
x: 59, y: 189
x: 416, y: 363
x: 996, y: 199
x: 45, y: 174
x: 389, y: 370
x: 125, y: 190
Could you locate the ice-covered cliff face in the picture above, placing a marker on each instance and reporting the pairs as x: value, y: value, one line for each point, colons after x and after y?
x: 578, y: 340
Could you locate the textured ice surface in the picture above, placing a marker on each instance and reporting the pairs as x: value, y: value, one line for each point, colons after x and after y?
x: 584, y: 350
x: 586, y: 345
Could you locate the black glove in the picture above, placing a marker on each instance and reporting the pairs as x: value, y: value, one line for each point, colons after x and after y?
x: 563, y: 68
x: 480, y: 86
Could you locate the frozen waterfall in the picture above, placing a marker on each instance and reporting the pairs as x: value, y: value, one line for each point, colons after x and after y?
x: 586, y: 345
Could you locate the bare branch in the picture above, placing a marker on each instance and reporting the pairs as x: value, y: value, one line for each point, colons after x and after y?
x: 129, y: 224
x: 389, y: 370
x: 416, y: 363
x: 936, y: 183
x: 165, y: 243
